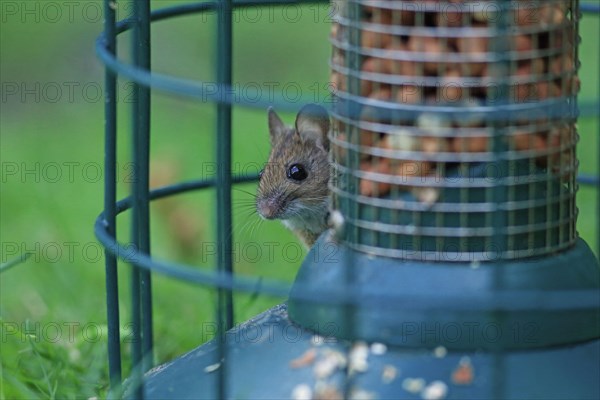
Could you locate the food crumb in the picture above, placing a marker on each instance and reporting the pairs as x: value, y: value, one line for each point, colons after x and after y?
x: 413, y: 385
x: 212, y: 368
x: 378, y: 348
x: 389, y: 373
x: 328, y: 392
x: 305, y: 359
x: 328, y: 364
x: 336, y: 219
x: 464, y: 373
x: 317, y: 340
x: 360, y: 394
x: 436, y: 390
x: 440, y: 352
x: 302, y: 392
x: 358, y: 357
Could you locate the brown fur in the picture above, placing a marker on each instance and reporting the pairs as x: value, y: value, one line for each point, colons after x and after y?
x: 302, y: 206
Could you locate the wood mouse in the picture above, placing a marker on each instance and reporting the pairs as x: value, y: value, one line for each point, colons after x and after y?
x: 293, y: 185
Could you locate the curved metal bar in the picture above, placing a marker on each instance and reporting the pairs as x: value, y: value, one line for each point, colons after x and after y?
x: 588, y: 180
x: 211, y: 91
x: 344, y: 295
x: 195, y: 89
x: 187, y: 9
x: 590, y: 8
x: 525, y: 300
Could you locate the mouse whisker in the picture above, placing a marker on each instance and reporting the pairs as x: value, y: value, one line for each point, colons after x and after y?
x: 255, y: 226
x: 245, y: 206
x: 246, y: 232
x: 253, y: 195
x: 243, y: 212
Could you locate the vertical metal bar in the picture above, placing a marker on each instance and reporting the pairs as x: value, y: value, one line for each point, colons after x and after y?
x: 140, y: 280
x: 136, y: 318
x: 355, y: 235
x: 136, y: 336
x: 501, y: 46
x: 224, y: 43
x: 144, y: 182
x: 224, y: 261
x: 110, y: 198
x: 577, y: 8
x: 572, y: 118
x: 353, y: 112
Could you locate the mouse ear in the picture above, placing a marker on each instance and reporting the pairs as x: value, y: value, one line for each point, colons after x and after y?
x: 313, y: 122
x: 276, y: 125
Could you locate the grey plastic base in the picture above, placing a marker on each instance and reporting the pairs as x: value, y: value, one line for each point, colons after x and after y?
x: 260, y: 351
x: 532, y: 303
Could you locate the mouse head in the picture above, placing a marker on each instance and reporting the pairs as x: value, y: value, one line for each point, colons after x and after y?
x: 294, y: 180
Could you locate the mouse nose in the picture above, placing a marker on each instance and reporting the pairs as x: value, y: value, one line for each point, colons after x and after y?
x: 268, y: 208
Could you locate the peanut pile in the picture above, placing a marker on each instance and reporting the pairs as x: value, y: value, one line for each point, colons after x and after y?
x: 446, y: 54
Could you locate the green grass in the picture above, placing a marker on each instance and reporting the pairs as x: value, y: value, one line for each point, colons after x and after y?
x: 51, y: 366
x: 61, y: 286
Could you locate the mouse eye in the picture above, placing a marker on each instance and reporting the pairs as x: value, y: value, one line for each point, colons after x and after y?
x: 297, y: 172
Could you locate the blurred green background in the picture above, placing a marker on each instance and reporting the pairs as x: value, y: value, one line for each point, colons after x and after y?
x: 52, y: 307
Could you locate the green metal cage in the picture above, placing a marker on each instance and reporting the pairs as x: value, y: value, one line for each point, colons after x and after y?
x: 454, y: 180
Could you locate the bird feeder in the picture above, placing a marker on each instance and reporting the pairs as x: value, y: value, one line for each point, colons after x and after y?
x: 453, y: 268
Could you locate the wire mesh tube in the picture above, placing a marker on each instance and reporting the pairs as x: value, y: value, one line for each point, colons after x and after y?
x: 454, y: 127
